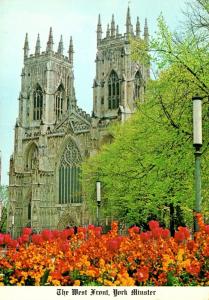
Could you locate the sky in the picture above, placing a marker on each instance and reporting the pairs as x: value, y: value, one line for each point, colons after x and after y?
x: 76, y: 18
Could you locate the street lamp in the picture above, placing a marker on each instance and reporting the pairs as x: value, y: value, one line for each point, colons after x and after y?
x: 13, y: 223
x: 98, y: 187
x: 197, y: 143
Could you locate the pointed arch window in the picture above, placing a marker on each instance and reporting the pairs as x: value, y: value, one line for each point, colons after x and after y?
x: 32, y: 158
x: 29, y: 211
x: 37, y: 103
x: 59, y: 102
x: 137, y: 85
x: 113, y: 91
x: 69, y: 175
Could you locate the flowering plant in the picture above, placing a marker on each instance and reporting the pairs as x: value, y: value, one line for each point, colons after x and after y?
x: 89, y: 257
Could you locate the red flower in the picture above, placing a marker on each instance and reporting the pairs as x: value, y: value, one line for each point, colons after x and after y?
x: 156, y: 232
x: 55, y: 233
x: 165, y: 233
x: 25, y: 238
x: 13, y: 244
x: 185, y: 231
x: 64, y: 247
x: 7, y: 238
x: 206, y: 251
x: 1, y: 239
x: 91, y: 227
x: 20, y: 241
x: 82, y: 229
x: 153, y: 224
x: 37, y: 239
x: 194, y: 268
x: 114, y: 243
x: 27, y: 231
x: 56, y: 275
x: 145, y: 236
x: 190, y: 245
x: 207, y: 229
x: 47, y: 234
x: 97, y: 231
x: 134, y: 229
x: 142, y: 274
x: 66, y: 233
x: 179, y: 236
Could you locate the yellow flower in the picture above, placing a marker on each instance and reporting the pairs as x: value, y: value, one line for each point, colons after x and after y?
x: 77, y: 282
x: 101, y: 263
x: 166, y: 262
x: 180, y: 255
x: 13, y: 280
x: 185, y: 263
x: 108, y: 282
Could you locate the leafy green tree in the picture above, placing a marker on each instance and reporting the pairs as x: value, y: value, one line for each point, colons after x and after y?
x: 147, y: 172
x: 4, y: 201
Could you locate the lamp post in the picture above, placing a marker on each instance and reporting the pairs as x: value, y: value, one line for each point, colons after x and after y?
x: 197, y: 143
x: 13, y: 223
x: 98, y: 187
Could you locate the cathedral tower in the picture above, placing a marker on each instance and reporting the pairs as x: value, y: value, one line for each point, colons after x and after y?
x: 47, y: 90
x: 119, y: 82
x: 51, y: 140
x: 53, y: 135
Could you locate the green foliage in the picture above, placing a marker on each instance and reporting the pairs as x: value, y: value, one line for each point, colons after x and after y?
x: 4, y: 199
x: 4, y: 194
x: 150, y: 164
x: 44, y: 278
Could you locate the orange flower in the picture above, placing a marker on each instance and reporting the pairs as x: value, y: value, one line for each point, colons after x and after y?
x: 142, y: 274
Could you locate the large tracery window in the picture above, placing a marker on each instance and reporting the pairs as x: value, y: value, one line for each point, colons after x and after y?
x: 137, y: 85
x: 59, y: 102
x: 69, y: 175
x: 37, y: 103
x: 113, y: 91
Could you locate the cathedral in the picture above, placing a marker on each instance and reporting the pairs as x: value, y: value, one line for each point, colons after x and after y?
x: 53, y: 135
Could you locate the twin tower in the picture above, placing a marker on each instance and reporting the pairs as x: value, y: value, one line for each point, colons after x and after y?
x: 53, y: 135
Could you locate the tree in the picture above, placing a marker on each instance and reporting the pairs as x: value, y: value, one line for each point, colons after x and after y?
x: 4, y: 201
x: 147, y: 172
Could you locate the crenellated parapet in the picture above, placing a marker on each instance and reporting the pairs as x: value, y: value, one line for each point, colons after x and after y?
x: 112, y: 32
x: 59, y: 54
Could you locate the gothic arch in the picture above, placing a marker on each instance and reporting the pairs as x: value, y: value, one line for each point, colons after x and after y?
x: 59, y: 101
x: 137, y: 84
x: 31, y: 157
x: 68, y: 174
x: 113, y: 90
x: 37, y: 102
x: 68, y: 218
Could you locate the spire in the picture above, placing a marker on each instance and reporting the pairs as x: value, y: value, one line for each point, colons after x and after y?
x: 60, y: 46
x: 26, y: 47
x: 146, y: 32
x: 99, y: 30
x: 108, y: 31
x: 70, y: 51
x: 38, y: 46
x: 129, y: 28
x: 138, y: 31
x: 50, y: 42
x: 117, y: 31
x: 113, y: 26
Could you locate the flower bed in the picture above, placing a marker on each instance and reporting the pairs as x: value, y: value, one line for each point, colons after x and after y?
x: 92, y: 258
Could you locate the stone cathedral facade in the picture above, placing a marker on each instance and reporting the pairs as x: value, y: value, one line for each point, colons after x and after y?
x: 53, y: 135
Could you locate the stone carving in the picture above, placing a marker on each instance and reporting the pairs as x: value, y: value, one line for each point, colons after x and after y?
x: 70, y: 217
x: 79, y: 126
x: 71, y: 155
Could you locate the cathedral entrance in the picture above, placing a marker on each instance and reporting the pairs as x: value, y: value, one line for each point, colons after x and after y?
x: 70, y: 217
